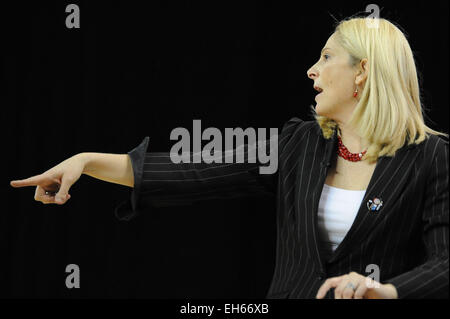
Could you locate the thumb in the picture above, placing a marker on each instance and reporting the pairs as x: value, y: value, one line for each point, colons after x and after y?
x: 63, y: 194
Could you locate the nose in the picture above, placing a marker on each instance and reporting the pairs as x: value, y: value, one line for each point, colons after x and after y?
x: 312, y: 73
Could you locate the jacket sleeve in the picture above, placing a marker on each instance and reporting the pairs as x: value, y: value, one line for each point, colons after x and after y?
x: 430, y: 280
x: 160, y: 182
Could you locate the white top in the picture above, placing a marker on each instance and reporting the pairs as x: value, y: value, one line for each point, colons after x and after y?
x: 337, y: 211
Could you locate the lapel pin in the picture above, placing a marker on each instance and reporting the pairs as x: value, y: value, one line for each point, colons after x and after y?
x: 375, y: 204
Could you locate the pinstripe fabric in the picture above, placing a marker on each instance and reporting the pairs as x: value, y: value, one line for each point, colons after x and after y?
x: 407, y: 238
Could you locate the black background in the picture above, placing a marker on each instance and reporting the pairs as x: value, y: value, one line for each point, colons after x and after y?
x: 137, y: 69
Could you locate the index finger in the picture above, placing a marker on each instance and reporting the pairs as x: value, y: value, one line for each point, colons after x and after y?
x: 30, y: 181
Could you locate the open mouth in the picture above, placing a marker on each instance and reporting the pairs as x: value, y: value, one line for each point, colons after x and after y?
x: 318, y: 89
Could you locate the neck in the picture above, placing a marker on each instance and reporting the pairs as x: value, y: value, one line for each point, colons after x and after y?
x: 351, y: 140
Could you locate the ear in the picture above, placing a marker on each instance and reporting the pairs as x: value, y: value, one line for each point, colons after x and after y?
x: 363, y: 71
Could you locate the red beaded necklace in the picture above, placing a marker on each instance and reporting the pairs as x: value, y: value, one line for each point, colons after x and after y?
x: 346, y: 154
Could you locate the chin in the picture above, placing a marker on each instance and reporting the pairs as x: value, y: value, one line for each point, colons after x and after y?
x: 326, y: 112
x: 320, y: 110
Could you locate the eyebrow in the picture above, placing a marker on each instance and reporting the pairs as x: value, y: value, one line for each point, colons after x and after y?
x: 324, y: 50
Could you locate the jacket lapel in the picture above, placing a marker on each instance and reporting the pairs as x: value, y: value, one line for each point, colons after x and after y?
x: 321, y: 156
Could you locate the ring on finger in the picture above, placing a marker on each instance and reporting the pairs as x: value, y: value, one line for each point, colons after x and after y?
x: 350, y: 285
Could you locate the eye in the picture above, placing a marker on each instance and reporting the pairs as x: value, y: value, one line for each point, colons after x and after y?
x: 326, y: 56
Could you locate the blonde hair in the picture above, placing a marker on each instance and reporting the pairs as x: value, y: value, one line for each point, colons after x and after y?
x: 389, y: 111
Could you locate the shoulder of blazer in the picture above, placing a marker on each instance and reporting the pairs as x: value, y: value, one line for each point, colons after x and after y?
x: 433, y: 146
x: 430, y: 146
x: 438, y: 142
x: 295, y: 128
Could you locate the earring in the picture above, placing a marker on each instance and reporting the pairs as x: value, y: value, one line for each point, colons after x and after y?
x: 355, y: 93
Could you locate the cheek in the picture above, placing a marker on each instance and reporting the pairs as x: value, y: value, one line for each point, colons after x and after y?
x: 339, y: 82
x: 328, y: 79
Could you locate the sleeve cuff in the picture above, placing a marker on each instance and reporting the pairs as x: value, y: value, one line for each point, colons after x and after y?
x: 129, y: 208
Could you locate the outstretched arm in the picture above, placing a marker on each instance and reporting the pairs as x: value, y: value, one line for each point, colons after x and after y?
x: 160, y: 182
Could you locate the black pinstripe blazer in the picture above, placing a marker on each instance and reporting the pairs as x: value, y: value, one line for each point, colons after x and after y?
x: 407, y: 238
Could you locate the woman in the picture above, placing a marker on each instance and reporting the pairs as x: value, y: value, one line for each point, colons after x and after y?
x: 362, y: 187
